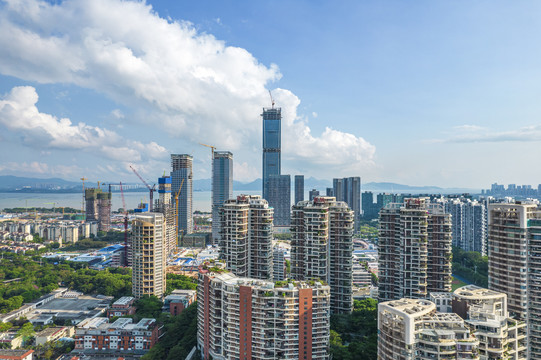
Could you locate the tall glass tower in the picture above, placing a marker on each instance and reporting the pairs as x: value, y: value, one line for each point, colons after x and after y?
x: 222, y: 187
x: 272, y: 143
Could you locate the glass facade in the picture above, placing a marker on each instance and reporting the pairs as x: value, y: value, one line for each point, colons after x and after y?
x: 272, y: 144
x: 222, y: 187
x: 181, y: 166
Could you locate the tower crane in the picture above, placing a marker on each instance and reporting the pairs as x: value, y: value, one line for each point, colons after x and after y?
x: 150, y: 189
x: 125, y: 221
x: 83, y: 203
x: 212, y: 148
x: 272, y: 100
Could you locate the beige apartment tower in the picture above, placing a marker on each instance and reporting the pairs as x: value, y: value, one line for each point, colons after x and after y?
x: 148, y: 255
x: 322, y: 246
x: 246, y: 236
x: 415, y: 251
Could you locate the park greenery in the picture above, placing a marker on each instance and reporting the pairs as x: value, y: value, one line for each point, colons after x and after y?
x: 471, y: 266
x: 176, y: 281
x: 355, y: 335
x: 32, y: 277
x: 180, y: 336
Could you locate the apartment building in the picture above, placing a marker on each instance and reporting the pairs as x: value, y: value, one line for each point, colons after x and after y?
x: 321, y: 247
x: 122, y: 307
x: 415, y: 251
x: 122, y: 335
x: 246, y: 236
x: 148, y: 255
x: 243, y: 318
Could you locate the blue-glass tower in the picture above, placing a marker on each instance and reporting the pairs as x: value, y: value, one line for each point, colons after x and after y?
x: 272, y: 143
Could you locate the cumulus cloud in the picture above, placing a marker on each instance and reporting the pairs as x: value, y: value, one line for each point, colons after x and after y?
x: 191, y: 84
x: 19, y: 114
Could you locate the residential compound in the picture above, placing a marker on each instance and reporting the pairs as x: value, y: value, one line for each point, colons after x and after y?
x: 246, y: 236
x: 477, y: 328
x: 182, y: 176
x: 62, y: 231
x: 222, y: 187
x: 148, y: 255
x: 240, y: 318
x: 415, y: 250
x: 322, y: 245
x: 514, y: 265
x: 96, y: 334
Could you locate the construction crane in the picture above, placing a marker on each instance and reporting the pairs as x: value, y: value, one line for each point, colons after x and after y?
x: 176, y: 208
x: 212, y: 148
x: 150, y: 189
x: 125, y: 221
x: 83, y: 203
x: 272, y: 100
x: 54, y: 206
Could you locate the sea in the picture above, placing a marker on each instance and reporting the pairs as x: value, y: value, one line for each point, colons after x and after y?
x: 201, y: 200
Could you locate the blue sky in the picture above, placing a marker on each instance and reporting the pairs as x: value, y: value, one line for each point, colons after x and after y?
x: 421, y: 93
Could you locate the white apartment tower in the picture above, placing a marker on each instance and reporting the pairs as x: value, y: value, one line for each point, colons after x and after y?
x: 246, y: 236
x: 148, y: 255
x: 322, y: 246
x: 415, y: 250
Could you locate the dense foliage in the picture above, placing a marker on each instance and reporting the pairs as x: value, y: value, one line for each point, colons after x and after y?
x: 175, y: 281
x: 86, y: 244
x: 471, y: 266
x: 180, y: 336
x: 34, y: 277
x: 355, y: 336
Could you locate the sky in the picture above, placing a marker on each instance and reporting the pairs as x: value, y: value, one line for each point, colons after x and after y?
x: 442, y: 93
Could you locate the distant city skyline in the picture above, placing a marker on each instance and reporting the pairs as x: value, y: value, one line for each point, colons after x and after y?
x: 423, y: 93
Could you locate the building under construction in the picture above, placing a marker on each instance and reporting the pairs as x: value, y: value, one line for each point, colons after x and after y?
x: 98, y: 207
x: 166, y: 207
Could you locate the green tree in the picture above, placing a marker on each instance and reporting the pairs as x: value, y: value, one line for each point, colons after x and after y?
x: 26, y: 331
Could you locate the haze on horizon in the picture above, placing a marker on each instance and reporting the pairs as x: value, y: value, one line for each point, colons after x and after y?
x: 423, y: 93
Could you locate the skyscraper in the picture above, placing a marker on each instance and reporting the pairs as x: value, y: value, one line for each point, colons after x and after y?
x: 246, y: 236
x: 272, y: 143
x: 414, y: 250
x: 322, y: 245
x: 299, y: 188
x: 148, y: 255
x: 222, y: 187
x: 349, y: 190
x: 181, y: 173
x: 279, y: 197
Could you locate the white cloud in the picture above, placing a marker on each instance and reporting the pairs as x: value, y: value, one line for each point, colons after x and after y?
x: 476, y: 134
x: 190, y: 84
x: 117, y: 114
x: 19, y: 114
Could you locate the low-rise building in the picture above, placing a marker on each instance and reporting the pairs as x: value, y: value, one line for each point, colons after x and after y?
x: 122, y: 335
x: 178, y: 301
x: 11, y: 340
x: 122, y: 307
x: 9, y: 354
x: 54, y: 333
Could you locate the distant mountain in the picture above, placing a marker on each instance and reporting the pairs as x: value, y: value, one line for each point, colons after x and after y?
x: 206, y: 185
x: 9, y: 182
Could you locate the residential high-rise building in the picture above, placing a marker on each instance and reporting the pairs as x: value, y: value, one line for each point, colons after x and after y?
x: 246, y: 236
x: 475, y: 326
x: 312, y: 194
x: 329, y: 192
x: 272, y: 143
x: 411, y: 329
x: 148, y: 255
x: 349, y: 191
x: 299, y: 188
x: 415, y: 250
x: 279, y: 264
x: 222, y: 187
x: 469, y: 223
x: 322, y: 245
x: 181, y: 174
x: 166, y: 207
x: 279, y: 197
x: 243, y: 318
x: 534, y: 286
x: 508, y: 253
x: 369, y: 207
